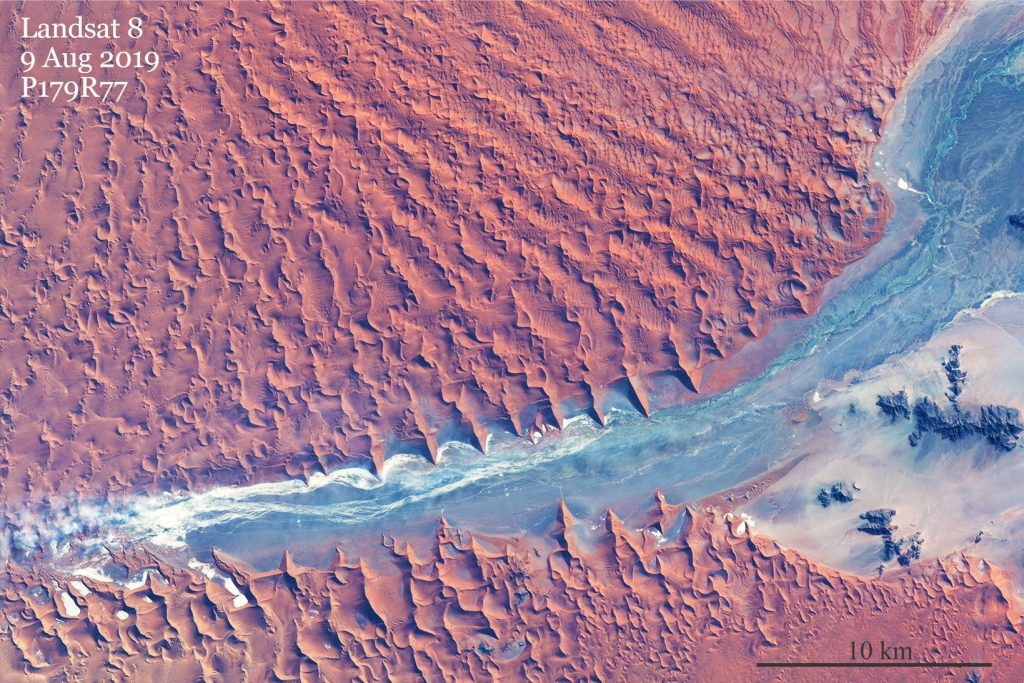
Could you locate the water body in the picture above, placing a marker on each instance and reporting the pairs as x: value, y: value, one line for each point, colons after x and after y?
x: 953, y: 159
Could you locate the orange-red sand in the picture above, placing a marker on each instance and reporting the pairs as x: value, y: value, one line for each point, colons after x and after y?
x: 321, y: 231
x: 705, y: 604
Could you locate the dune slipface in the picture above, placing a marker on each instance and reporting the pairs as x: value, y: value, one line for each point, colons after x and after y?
x: 312, y: 236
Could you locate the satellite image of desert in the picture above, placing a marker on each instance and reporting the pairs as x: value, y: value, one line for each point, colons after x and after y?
x: 512, y: 340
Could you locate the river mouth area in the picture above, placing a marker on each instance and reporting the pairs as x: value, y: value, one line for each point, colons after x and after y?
x: 945, y: 158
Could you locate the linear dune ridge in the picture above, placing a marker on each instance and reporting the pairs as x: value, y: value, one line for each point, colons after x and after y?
x: 323, y: 232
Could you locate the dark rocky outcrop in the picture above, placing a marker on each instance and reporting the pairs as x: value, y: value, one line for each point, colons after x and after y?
x: 894, y: 405
x: 878, y: 522
x: 841, y: 493
x: 1016, y: 220
x: 957, y: 377
x: 903, y: 550
x: 952, y: 425
x: 1000, y: 425
x: 837, y: 493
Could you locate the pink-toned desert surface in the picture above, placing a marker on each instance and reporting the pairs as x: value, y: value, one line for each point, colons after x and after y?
x: 321, y: 229
x: 321, y: 234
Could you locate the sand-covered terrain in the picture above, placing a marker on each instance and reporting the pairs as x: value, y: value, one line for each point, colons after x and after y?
x: 318, y: 235
x: 691, y: 592
x: 326, y: 232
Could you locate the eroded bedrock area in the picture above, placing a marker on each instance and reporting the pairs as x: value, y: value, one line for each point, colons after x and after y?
x: 916, y: 458
x: 919, y: 456
x: 321, y: 233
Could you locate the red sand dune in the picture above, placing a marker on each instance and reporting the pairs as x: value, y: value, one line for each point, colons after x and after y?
x: 620, y: 605
x: 319, y: 230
